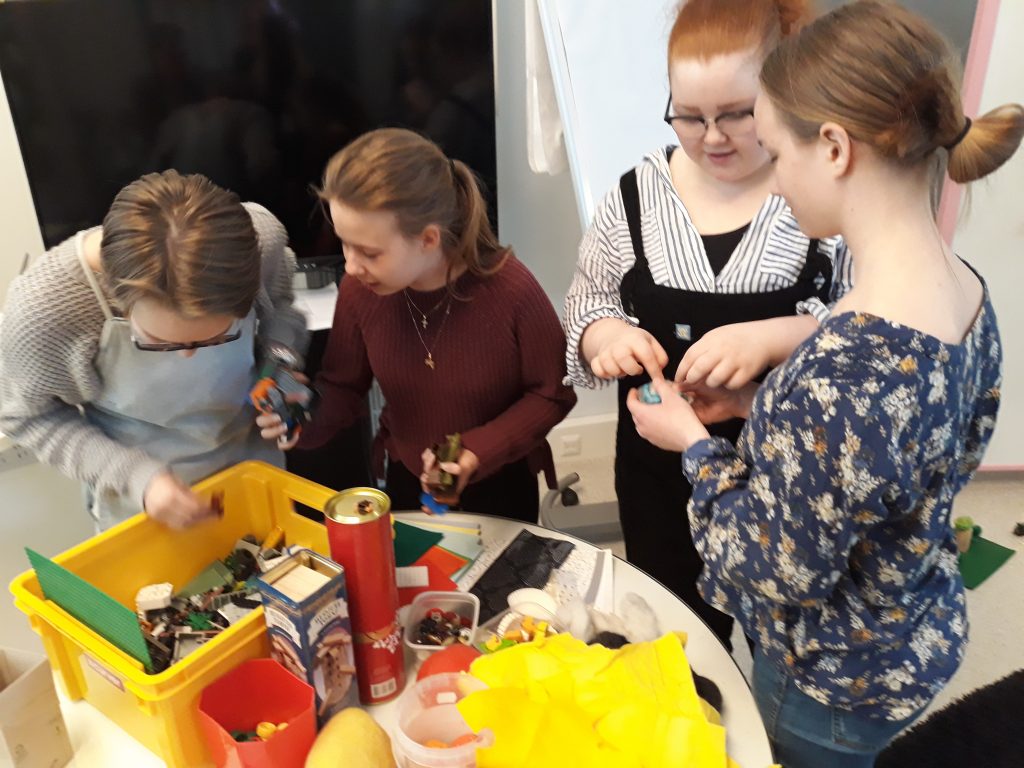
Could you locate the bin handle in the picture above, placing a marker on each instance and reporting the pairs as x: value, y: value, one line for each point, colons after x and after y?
x: 295, y: 488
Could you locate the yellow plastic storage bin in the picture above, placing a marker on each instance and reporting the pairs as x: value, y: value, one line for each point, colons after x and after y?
x: 160, y: 710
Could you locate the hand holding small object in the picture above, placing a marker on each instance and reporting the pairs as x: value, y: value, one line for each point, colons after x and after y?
x: 715, y: 404
x: 670, y: 424
x: 447, y: 470
x: 283, y: 402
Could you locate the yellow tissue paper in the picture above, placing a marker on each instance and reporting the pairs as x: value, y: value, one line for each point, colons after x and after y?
x: 558, y: 702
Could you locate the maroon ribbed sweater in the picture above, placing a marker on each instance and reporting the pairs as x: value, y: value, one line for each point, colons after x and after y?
x: 500, y: 360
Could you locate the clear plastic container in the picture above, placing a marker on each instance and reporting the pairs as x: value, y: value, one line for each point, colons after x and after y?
x: 427, y: 712
x: 463, y: 604
x: 511, y: 620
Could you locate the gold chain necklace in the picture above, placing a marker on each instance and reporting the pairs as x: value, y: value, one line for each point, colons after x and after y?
x: 429, y: 359
x: 425, y: 315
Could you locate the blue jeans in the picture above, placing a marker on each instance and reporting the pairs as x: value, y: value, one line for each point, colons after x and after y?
x: 807, y: 734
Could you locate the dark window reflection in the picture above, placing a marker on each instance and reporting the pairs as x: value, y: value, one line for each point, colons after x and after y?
x: 256, y: 94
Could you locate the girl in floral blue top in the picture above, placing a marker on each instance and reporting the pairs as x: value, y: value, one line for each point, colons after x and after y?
x: 826, y: 529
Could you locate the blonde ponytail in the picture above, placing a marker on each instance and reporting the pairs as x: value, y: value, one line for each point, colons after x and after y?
x: 476, y: 245
x: 892, y: 81
x: 990, y: 141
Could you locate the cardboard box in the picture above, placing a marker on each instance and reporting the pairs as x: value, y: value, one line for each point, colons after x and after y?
x: 32, y: 732
x: 305, y: 604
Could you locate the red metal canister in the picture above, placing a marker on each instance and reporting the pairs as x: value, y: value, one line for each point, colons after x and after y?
x: 359, y: 531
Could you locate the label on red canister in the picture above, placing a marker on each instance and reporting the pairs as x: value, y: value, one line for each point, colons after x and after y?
x: 359, y: 531
x: 381, y: 655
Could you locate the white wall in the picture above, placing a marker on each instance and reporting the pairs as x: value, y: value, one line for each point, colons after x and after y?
x: 19, y: 228
x: 536, y: 213
x: 990, y: 235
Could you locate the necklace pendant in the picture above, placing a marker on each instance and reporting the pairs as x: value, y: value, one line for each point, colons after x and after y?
x: 423, y: 322
x: 429, y: 361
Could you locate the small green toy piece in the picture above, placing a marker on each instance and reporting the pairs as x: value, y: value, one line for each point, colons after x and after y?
x: 440, y: 483
x: 449, y: 451
x: 964, y: 530
x: 200, y: 621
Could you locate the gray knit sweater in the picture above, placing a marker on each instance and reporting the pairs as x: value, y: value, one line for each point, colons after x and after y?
x: 49, y: 337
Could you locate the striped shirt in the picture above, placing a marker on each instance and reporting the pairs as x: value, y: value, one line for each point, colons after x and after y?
x: 770, y: 257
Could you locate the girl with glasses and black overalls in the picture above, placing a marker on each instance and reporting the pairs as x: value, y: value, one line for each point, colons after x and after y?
x: 690, y: 244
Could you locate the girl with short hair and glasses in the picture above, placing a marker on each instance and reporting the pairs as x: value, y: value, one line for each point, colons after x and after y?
x: 826, y: 529
x: 128, y: 350
x: 693, y: 269
x: 458, y: 333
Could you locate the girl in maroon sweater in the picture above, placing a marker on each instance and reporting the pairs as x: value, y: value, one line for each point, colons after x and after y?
x: 456, y: 330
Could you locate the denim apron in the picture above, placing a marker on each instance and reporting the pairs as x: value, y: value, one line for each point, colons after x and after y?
x: 191, y: 413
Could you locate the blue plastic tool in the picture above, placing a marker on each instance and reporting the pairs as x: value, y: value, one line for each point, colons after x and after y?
x: 648, y: 395
x: 432, y: 504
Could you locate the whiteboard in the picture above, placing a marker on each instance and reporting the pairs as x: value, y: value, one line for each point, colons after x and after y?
x: 609, y: 64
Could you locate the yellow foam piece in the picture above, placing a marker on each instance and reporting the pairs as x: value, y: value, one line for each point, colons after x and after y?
x: 558, y: 702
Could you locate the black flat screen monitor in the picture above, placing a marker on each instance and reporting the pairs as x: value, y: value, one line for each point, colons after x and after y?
x: 255, y: 94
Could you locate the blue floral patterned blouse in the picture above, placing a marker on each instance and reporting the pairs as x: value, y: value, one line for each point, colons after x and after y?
x: 826, y: 531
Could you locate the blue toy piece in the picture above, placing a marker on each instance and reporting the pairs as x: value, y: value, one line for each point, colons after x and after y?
x: 648, y: 395
x: 433, y: 505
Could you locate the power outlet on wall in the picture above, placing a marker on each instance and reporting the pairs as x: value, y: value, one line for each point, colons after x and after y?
x: 572, y: 445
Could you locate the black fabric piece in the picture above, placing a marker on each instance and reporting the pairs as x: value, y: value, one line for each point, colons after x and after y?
x: 649, y: 482
x: 719, y: 248
x: 526, y: 562
x: 708, y: 691
x: 611, y: 640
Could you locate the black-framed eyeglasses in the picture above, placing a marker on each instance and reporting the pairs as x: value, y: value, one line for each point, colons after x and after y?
x: 173, y: 346
x: 734, y: 123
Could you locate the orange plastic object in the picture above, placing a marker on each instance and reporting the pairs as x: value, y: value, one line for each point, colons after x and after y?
x: 258, y: 690
x: 454, y: 658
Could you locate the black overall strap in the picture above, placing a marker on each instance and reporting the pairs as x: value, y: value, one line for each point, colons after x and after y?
x: 630, y: 189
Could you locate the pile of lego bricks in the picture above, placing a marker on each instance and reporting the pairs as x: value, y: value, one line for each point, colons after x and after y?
x: 223, y: 593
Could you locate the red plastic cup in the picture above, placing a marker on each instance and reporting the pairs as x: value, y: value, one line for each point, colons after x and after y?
x: 258, y: 690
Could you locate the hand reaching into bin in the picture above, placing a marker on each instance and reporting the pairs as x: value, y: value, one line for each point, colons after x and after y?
x: 169, y: 501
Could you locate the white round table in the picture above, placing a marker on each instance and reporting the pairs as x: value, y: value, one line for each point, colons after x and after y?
x: 99, y: 742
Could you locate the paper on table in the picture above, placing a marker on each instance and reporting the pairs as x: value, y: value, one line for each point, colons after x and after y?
x: 601, y: 593
x: 317, y: 304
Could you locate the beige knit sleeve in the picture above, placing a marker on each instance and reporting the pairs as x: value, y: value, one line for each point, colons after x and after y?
x: 48, y: 339
x: 280, y: 321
